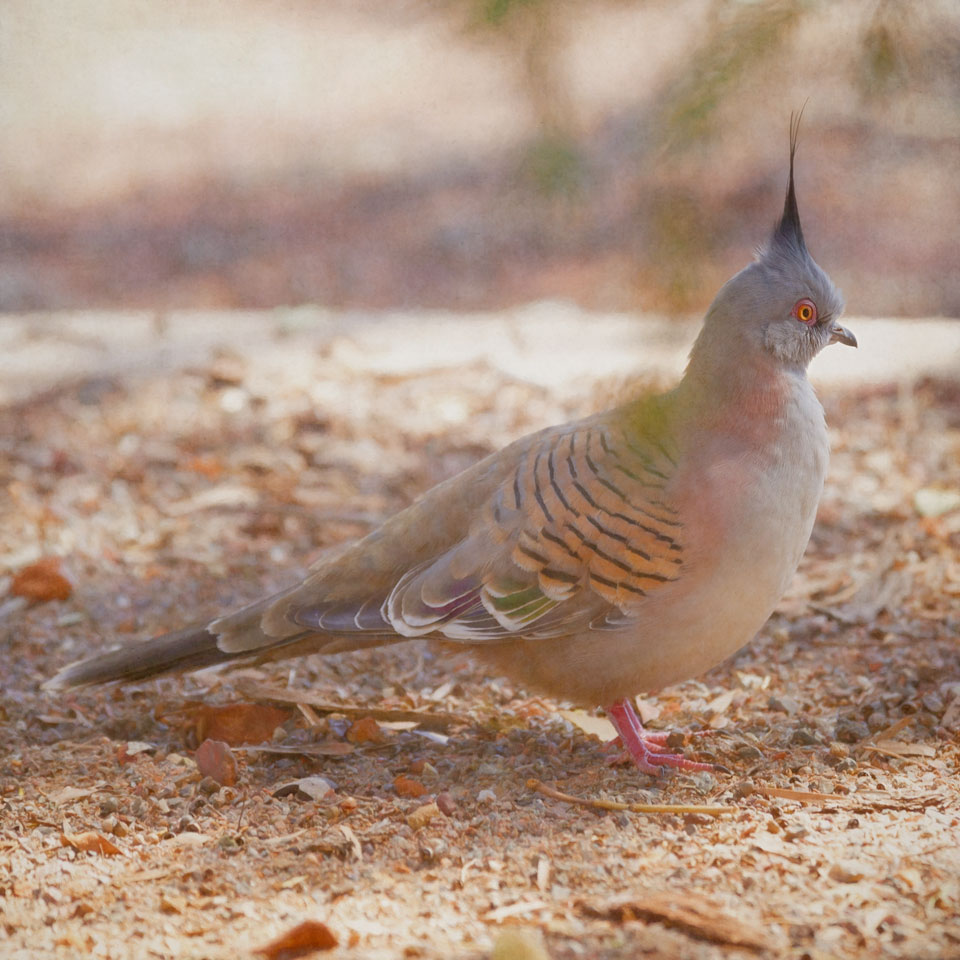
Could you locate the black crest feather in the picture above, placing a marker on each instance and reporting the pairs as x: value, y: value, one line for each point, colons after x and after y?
x: 788, y: 230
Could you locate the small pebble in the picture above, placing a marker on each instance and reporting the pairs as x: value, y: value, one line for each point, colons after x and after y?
x: 878, y: 721
x: 423, y: 815
x: 486, y: 796
x: 804, y: 738
x: 229, y: 844
x: 446, y: 803
x: 208, y: 786
x: 785, y: 704
x: 932, y: 702
x: 851, y: 731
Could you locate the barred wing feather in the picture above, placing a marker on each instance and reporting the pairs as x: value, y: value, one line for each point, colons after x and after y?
x: 576, y: 535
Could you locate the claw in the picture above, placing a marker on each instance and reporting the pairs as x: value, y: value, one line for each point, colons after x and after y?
x: 648, y: 749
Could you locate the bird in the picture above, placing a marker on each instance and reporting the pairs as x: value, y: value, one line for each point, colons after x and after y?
x: 598, y: 559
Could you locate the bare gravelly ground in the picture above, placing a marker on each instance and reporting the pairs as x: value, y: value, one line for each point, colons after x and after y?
x: 169, y: 493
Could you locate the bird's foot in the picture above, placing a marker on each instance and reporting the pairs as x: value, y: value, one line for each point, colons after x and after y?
x: 647, y: 749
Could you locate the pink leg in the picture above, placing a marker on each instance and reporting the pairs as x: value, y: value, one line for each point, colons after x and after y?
x: 648, y: 750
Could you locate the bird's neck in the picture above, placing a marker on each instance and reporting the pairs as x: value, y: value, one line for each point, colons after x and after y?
x: 748, y: 392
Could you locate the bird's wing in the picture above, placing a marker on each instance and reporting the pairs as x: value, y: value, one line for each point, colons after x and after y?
x: 575, y: 533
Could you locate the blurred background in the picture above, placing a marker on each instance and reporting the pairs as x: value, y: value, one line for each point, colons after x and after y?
x: 471, y: 153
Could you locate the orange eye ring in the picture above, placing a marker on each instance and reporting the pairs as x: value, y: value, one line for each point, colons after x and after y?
x: 805, y: 311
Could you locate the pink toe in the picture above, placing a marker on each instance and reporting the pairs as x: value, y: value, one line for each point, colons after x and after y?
x: 647, y: 749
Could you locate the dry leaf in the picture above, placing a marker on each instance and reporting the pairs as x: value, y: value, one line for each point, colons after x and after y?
x: 688, y: 912
x: 89, y: 842
x: 239, y: 723
x: 42, y: 581
x: 719, y: 704
x: 599, y: 727
x: 365, y: 730
x: 216, y: 760
x: 70, y: 794
x: 298, y: 941
x: 188, y: 839
x: 408, y: 787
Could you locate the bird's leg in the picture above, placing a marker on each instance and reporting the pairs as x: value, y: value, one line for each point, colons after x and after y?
x: 647, y: 750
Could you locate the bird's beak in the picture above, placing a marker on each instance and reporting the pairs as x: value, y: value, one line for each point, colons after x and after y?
x: 840, y: 334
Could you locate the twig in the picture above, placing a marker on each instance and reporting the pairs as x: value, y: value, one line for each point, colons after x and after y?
x: 426, y: 718
x: 890, y: 732
x: 854, y: 803
x: 802, y: 796
x: 681, y: 808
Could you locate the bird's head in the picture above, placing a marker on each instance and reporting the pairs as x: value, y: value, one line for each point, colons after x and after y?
x: 783, y: 306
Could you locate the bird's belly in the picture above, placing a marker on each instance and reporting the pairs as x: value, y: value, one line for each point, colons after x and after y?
x: 743, y: 559
x: 743, y: 551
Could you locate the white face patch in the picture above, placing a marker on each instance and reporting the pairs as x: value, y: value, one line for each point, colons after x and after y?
x: 793, y: 342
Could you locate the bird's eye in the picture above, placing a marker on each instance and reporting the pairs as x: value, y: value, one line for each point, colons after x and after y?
x: 805, y: 311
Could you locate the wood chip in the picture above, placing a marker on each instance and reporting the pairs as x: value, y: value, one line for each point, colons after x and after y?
x: 518, y: 909
x: 898, y: 748
x: 70, y: 794
x: 847, y: 871
x: 90, y: 842
x: 693, y: 914
x: 298, y: 941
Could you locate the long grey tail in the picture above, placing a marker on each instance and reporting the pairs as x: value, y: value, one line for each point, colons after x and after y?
x: 189, y: 649
x: 197, y: 647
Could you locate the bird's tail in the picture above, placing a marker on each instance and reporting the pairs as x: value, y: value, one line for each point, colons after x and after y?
x: 239, y: 636
x: 190, y: 649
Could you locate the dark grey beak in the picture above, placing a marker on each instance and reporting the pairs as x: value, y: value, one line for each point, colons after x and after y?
x: 840, y: 334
